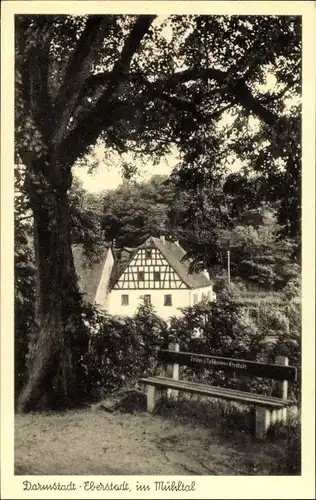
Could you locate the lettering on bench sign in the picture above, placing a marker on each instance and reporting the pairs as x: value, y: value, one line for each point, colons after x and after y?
x: 276, y: 372
x: 218, y: 362
x: 239, y: 366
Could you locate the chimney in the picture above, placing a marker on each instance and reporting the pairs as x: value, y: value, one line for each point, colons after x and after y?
x: 163, y: 239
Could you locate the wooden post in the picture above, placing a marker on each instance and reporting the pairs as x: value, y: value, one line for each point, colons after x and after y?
x: 282, y: 388
x: 263, y: 420
x: 173, y: 371
x: 265, y: 416
x: 273, y: 416
x: 153, y: 394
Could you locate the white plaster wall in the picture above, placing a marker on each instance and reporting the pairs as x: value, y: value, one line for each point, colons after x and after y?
x: 208, y: 290
x: 101, y: 296
x: 180, y: 298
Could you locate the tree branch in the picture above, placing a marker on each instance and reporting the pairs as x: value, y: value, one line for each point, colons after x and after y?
x: 238, y: 89
x: 122, y: 65
x: 88, y: 130
x: 24, y: 217
x: 77, y: 71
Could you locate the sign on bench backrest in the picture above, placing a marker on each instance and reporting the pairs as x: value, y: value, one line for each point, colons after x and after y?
x: 275, y: 372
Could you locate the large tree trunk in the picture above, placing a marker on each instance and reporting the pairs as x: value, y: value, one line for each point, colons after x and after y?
x: 51, y: 377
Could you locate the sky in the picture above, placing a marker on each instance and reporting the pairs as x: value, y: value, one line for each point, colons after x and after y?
x: 108, y: 175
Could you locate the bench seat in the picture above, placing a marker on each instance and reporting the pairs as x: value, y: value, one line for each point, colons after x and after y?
x: 249, y: 398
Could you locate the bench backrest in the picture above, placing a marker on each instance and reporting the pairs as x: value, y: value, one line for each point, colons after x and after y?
x: 278, y: 371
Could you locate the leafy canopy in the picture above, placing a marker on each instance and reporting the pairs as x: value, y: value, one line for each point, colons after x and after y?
x: 146, y: 84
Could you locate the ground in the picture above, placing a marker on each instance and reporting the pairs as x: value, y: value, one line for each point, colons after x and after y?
x: 108, y: 440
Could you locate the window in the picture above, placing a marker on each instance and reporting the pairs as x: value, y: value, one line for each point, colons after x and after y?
x: 147, y: 299
x: 168, y: 300
x: 156, y: 275
x: 195, y: 298
x: 148, y: 254
x: 124, y: 300
x: 141, y: 275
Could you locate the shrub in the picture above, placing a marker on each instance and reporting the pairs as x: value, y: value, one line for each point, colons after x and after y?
x: 224, y: 331
x: 121, y: 349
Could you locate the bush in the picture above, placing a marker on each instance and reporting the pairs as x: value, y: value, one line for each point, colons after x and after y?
x: 223, y: 331
x: 283, y: 328
x: 121, y: 349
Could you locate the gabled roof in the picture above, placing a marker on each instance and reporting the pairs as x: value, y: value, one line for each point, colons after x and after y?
x: 90, y: 271
x: 174, y: 255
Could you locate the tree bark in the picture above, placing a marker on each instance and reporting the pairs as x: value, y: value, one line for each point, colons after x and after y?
x: 51, y: 380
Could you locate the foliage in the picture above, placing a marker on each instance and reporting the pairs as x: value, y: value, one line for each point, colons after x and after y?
x: 129, y: 88
x: 135, y: 211
x: 24, y: 300
x: 219, y: 327
x: 257, y: 254
x: 121, y: 349
x: 121, y: 80
x: 207, y: 226
x: 85, y: 219
x: 222, y: 329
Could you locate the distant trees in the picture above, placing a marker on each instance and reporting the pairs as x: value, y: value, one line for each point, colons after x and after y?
x: 258, y: 255
x: 134, y: 211
x: 85, y: 216
x: 207, y: 227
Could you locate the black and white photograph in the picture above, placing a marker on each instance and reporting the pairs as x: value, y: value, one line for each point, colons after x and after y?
x: 157, y: 225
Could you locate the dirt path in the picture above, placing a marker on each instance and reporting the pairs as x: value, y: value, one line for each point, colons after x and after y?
x: 95, y: 442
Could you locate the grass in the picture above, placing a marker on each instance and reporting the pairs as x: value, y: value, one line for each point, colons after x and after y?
x: 118, y: 437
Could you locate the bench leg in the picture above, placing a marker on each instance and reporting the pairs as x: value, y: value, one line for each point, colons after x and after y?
x: 279, y: 415
x: 284, y: 415
x: 263, y: 420
x: 153, y: 394
x: 274, y: 416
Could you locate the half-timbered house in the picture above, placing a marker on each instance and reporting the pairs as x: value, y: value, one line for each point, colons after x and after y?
x: 155, y: 272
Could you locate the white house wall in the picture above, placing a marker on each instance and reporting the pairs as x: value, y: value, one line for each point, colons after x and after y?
x: 148, y: 273
x: 198, y: 294
x: 180, y: 298
x: 101, y: 297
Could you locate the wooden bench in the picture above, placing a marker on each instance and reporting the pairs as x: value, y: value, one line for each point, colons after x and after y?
x: 268, y: 409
